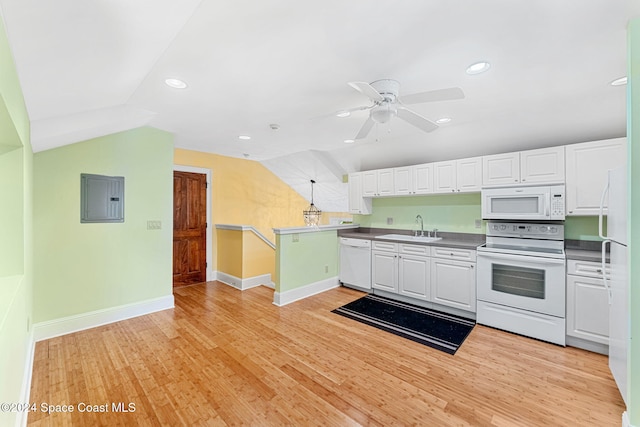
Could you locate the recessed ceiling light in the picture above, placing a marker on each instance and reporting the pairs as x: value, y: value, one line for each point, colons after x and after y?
x: 349, y: 141
x: 442, y: 120
x: 244, y: 137
x: 343, y: 113
x: 175, y: 83
x: 619, y: 82
x: 478, y: 67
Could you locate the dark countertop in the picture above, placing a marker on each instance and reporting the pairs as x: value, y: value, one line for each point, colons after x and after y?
x: 450, y: 240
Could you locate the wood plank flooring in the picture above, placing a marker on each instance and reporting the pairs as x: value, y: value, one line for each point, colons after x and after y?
x: 226, y: 357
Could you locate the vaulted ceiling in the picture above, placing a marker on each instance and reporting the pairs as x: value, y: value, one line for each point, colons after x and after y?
x: 90, y: 68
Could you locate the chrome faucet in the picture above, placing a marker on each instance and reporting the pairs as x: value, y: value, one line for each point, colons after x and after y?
x: 419, y: 218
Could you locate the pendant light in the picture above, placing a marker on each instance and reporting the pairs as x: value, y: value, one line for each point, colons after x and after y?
x: 312, y: 214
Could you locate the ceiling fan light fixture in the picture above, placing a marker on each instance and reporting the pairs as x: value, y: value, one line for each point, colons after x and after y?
x: 619, y: 82
x: 383, y: 113
x: 175, y: 83
x: 478, y: 67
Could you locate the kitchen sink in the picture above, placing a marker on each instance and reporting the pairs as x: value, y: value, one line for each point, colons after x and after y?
x: 408, y: 238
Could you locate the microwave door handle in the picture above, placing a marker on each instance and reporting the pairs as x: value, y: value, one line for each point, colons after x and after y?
x: 547, y: 202
x: 601, y: 214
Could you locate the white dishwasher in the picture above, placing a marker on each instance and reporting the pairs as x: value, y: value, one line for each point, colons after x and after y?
x: 355, y: 263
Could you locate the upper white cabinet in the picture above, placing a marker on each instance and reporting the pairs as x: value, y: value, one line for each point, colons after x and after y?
x: 357, y: 203
x: 410, y: 180
x: 377, y: 183
x: 458, y: 176
x: 545, y: 165
x: 587, y: 165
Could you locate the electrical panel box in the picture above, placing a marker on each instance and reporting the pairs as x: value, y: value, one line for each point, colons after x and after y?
x: 101, y: 198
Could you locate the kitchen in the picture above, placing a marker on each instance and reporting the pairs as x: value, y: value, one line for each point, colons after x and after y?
x: 465, y: 220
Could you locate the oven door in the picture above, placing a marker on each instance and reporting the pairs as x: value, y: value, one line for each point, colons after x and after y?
x: 527, y: 282
x: 522, y: 203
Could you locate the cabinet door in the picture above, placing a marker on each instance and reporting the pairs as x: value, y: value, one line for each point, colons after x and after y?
x: 357, y: 204
x: 453, y: 283
x: 385, y: 182
x: 423, y: 179
x: 370, y: 183
x: 414, y: 276
x: 444, y: 177
x: 403, y: 181
x: 384, y: 271
x: 469, y: 175
x: 587, y: 309
x: 501, y: 169
x: 545, y: 165
x: 586, y: 167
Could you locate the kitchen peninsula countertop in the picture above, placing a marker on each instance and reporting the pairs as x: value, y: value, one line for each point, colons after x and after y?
x: 451, y: 240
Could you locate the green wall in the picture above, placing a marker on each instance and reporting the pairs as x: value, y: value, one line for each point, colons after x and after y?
x: 16, y: 263
x: 455, y: 213
x: 312, y: 258
x: 86, y: 267
x: 633, y: 135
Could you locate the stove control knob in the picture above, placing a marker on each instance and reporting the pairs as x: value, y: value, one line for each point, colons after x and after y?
x: 554, y: 229
x: 544, y: 228
x: 503, y: 227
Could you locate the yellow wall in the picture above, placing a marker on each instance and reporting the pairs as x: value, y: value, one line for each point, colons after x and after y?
x: 229, y: 252
x: 260, y: 258
x: 244, y: 192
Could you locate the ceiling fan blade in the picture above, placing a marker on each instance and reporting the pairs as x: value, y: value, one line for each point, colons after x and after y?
x: 367, y: 90
x: 347, y: 112
x: 416, y: 120
x: 433, y: 95
x: 365, y: 129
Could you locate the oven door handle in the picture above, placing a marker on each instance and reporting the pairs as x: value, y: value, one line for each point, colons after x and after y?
x: 529, y: 259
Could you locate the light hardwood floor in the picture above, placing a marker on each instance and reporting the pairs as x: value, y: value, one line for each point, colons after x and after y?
x: 226, y: 357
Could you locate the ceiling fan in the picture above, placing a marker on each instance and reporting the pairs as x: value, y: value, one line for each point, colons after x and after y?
x: 387, y: 104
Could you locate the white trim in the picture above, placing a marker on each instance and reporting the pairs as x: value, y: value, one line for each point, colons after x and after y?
x: 246, y: 228
x: 625, y: 420
x: 208, y: 173
x: 287, y: 297
x: 242, y: 284
x: 79, y: 322
x: 21, y: 419
x: 296, y: 230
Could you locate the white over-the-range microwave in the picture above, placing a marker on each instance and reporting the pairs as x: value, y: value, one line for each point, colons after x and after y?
x: 544, y: 203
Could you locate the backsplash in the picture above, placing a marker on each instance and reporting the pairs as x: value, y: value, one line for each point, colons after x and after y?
x: 452, y: 213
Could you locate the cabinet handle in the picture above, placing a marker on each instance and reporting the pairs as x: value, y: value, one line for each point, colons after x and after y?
x: 472, y: 265
x: 523, y: 180
x: 599, y: 270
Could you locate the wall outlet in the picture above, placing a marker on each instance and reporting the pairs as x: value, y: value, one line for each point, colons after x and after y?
x: 295, y: 237
x: 326, y: 268
x: 478, y: 223
x: 389, y: 221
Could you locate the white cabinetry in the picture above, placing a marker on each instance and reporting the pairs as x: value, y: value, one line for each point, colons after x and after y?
x: 412, y: 180
x: 540, y: 166
x: 401, y: 268
x: 453, y: 277
x: 587, y: 165
x: 587, y: 302
x: 377, y: 183
x: 357, y: 203
x: 458, y: 176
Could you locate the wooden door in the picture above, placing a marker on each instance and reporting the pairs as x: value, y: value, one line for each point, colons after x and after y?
x: 189, y: 228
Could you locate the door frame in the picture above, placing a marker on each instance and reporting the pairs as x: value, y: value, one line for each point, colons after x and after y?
x: 208, y: 173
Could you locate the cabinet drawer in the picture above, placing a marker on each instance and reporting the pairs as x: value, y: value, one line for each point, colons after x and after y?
x: 384, y: 246
x: 586, y: 268
x: 414, y: 249
x: 454, y: 253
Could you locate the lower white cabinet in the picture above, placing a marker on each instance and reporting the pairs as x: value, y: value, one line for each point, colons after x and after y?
x: 436, y: 274
x: 401, y: 268
x: 587, y: 302
x: 453, y: 282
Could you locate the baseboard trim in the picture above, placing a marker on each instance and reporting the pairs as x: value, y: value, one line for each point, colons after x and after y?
x: 79, y: 322
x: 242, y: 284
x: 21, y: 419
x: 287, y: 297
